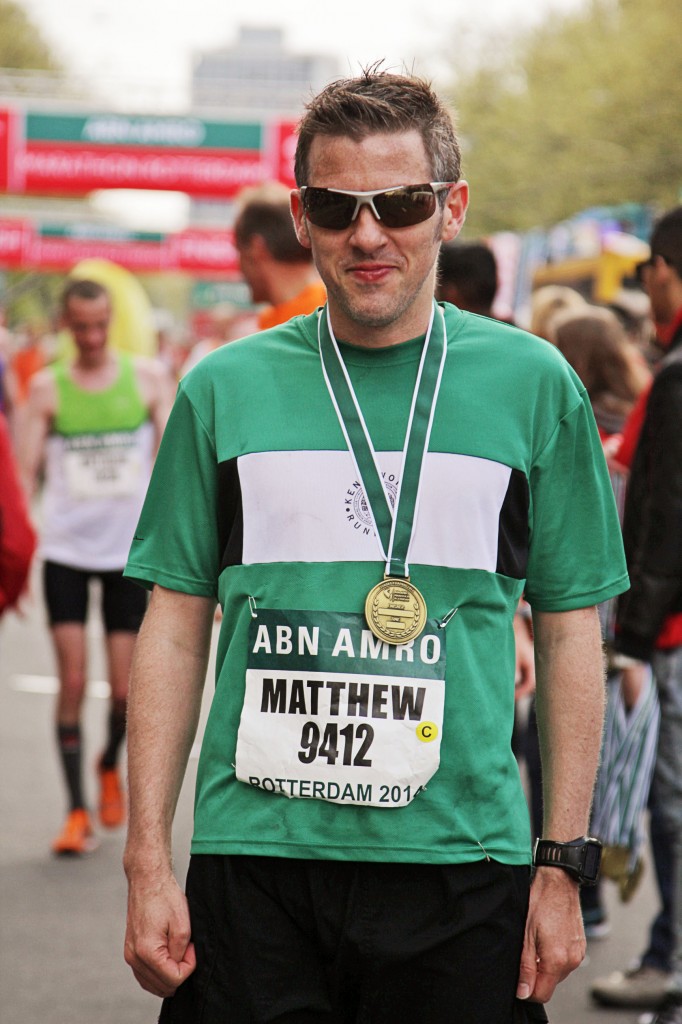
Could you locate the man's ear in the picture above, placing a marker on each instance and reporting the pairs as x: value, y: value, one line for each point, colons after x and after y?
x: 258, y: 248
x: 300, y: 222
x: 455, y: 211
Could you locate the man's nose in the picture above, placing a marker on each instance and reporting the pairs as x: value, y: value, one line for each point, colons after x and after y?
x: 368, y: 232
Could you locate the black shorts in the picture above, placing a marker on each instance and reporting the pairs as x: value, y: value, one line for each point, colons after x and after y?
x: 334, y: 942
x: 66, y: 595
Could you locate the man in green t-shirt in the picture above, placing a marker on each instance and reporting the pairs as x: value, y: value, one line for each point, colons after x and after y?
x: 368, y: 491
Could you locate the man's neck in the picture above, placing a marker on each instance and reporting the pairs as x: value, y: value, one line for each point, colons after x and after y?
x: 413, y: 323
x: 667, y: 332
x: 94, y: 364
x: 290, y: 280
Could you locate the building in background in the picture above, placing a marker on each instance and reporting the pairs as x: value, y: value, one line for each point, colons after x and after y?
x: 255, y: 78
x: 258, y: 76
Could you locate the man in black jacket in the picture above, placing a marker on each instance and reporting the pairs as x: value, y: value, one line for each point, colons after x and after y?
x: 653, y: 542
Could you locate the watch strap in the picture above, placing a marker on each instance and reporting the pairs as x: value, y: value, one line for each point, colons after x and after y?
x: 580, y: 858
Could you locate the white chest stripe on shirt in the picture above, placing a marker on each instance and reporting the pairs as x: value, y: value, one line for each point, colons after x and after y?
x: 307, y: 506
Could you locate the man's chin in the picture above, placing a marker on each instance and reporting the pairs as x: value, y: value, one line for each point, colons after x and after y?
x: 373, y: 314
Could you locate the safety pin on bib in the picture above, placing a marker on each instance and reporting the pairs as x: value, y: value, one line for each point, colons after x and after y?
x: 443, y: 623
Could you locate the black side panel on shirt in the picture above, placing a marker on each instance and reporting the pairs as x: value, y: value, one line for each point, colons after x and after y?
x: 230, y: 514
x: 512, y: 544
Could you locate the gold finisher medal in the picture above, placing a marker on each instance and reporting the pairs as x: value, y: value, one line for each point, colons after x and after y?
x: 395, y: 611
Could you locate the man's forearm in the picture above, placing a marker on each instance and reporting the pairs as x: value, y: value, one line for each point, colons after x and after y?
x: 169, y: 669
x: 570, y: 703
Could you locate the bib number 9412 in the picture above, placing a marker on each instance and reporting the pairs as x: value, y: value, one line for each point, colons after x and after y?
x: 351, y: 744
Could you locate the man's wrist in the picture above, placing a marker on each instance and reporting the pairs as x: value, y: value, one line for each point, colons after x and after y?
x: 146, y: 862
x: 552, y: 878
x: 579, y: 858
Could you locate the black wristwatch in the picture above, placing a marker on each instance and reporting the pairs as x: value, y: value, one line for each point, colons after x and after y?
x: 580, y: 858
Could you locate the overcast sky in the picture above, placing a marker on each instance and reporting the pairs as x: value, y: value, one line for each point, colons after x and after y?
x: 150, y: 40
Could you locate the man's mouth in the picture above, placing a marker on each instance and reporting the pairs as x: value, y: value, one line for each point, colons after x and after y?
x: 370, y: 273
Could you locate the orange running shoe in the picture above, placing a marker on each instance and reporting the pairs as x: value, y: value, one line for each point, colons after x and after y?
x: 77, y: 836
x: 112, y: 808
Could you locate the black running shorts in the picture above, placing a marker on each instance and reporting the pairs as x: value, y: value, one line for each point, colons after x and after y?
x: 333, y: 942
x: 66, y: 595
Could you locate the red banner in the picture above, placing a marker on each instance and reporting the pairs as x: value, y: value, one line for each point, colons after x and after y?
x: 284, y: 143
x: 26, y: 246
x: 12, y: 235
x: 4, y: 150
x: 72, y: 168
x: 52, y: 153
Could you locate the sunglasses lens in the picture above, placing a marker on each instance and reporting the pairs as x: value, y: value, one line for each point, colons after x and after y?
x: 402, y: 207
x: 328, y: 209
x: 397, y: 207
x: 641, y: 268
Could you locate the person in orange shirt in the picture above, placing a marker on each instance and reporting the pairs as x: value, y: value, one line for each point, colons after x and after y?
x: 276, y: 267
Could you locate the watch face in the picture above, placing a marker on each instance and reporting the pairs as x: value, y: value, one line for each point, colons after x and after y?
x: 592, y: 859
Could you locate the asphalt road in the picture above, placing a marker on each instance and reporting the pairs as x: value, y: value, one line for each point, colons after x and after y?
x: 62, y: 921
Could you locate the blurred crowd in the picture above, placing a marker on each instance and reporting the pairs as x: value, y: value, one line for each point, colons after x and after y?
x: 616, y: 349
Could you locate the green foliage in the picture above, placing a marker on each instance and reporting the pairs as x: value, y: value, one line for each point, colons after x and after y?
x: 21, y: 45
x: 584, y: 110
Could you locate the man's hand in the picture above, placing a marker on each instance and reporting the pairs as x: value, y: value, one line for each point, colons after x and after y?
x: 158, y: 943
x: 554, y: 943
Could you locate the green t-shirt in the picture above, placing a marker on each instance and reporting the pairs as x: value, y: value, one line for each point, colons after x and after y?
x: 255, y: 499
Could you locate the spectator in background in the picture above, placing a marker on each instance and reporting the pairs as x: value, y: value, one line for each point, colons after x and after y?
x: 633, y: 309
x: 27, y: 359
x: 92, y: 424
x: 649, y: 623
x: 614, y: 373
x: 549, y: 300
x: 17, y: 537
x: 276, y: 267
x: 228, y: 322
x: 612, y: 369
x: 5, y: 355
x: 467, y: 276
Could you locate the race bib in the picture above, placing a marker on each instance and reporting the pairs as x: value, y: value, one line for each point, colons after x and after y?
x: 332, y: 713
x: 102, y: 465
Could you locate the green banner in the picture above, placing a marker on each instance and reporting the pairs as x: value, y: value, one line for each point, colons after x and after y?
x: 99, y: 232
x: 150, y: 132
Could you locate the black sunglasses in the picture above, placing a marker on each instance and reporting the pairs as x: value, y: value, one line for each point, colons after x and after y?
x: 641, y: 267
x: 399, y: 207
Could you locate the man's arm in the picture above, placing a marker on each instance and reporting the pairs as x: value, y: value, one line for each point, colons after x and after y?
x: 157, y: 387
x: 570, y: 703
x: 169, y: 669
x: 37, y: 417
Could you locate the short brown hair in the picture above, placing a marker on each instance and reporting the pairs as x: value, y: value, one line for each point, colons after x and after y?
x: 597, y: 347
x: 379, y: 101
x: 82, y: 289
x: 270, y: 218
x: 666, y: 239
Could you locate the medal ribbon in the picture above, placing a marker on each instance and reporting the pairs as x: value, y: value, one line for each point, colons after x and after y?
x: 393, y: 528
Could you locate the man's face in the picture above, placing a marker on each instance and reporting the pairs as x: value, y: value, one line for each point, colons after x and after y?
x: 380, y: 281
x: 250, y: 262
x: 656, y: 278
x: 88, y: 321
